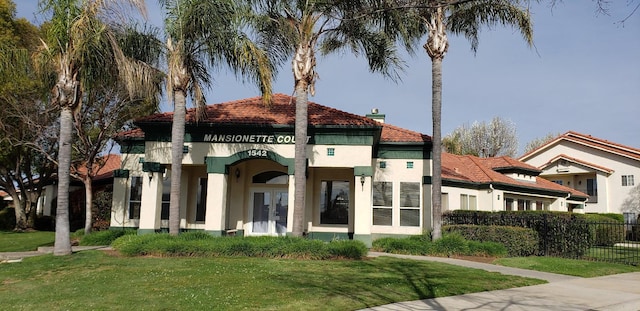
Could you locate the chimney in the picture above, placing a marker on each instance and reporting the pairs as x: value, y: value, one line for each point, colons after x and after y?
x: 375, y: 115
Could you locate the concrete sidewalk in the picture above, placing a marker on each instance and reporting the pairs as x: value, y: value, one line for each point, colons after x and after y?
x: 613, y: 292
x: 17, y: 256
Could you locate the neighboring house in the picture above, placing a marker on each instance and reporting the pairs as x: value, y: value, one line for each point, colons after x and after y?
x: 106, y: 165
x: 502, y: 184
x: 6, y: 199
x: 606, y: 171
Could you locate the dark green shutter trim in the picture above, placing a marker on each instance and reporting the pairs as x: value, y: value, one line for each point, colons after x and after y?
x: 121, y: 174
x: 153, y: 167
x: 409, y: 153
x: 362, y: 170
x: 132, y: 147
x: 219, y: 165
x: 426, y: 180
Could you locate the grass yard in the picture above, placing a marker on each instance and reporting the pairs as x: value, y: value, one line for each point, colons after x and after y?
x: 96, y: 280
x: 616, y: 254
x: 581, y: 268
x: 28, y: 241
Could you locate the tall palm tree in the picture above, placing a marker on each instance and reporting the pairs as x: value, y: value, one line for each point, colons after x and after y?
x: 460, y: 18
x: 299, y: 29
x: 80, y: 49
x: 201, y: 35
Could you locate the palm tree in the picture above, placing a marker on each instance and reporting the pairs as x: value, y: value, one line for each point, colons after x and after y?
x: 302, y: 28
x: 80, y: 49
x: 460, y: 18
x: 200, y: 35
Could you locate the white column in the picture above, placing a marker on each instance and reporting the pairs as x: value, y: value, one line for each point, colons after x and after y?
x: 362, y: 209
x: 151, y: 202
x: 292, y: 191
x: 216, y: 203
x: 119, y: 212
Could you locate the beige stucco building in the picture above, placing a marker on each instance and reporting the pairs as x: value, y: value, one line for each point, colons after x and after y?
x: 606, y: 171
x: 364, y: 179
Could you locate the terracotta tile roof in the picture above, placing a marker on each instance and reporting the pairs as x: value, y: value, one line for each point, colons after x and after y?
x: 105, y: 166
x: 252, y: 111
x: 589, y: 141
x: 391, y: 133
x: 578, y: 161
x: 3, y: 194
x: 281, y: 112
x: 472, y: 169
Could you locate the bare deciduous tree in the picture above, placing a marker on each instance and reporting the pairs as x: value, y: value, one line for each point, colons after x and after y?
x: 495, y: 138
x: 537, y: 142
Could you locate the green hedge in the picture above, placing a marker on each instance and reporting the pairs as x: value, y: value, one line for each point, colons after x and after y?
x: 202, y: 244
x: 519, y: 242
x: 105, y: 237
x: 560, y: 234
x: 449, y: 245
x: 606, y: 230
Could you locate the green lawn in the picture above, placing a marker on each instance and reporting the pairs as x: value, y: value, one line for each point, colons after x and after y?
x: 616, y: 254
x: 29, y: 241
x: 581, y: 268
x: 95, y: 280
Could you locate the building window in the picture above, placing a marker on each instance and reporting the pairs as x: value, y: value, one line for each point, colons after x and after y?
x: 382, y: 203
x: 383, y: 164
x: 627, y: 180
x: 331, y: 152
x: 592, y: 190
x: 201, y: 200
x: 135, y: 197
x: 410, y: 204
x: 334, y: 202
x: 468, y: 202
x: 524, y: 205
x: 410, y: 164
x: 166, y: 198
x: 559, y: 182
x: 508, y: 204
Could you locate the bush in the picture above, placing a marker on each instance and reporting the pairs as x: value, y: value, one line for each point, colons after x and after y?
x: 519, y: 242
x: 202, y: 244
x: 448, y: 245
x: 560, y: 234
x: 606, y: 230
x: 101, y: 237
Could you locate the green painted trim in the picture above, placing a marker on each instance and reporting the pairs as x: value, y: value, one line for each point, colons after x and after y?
x: 376, y: 236
x: 364, y: 238
x: 219, y: 165
x: 346, y: 138
x: 120, y: 228
x: 362, y: 170
x: 216, y: 233
x: 153, y: 167
x: 384, y: 153
x: 146, y: 231
x: 329, y: 236
x: 132, y: 147
x: 120, y: 173
x: 375, y: 115
x: 426, y: 180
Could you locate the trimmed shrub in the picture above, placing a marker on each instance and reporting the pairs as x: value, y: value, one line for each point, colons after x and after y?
x: 448, y: 245
x: 519, y: 242
x: 606, y: 230
x: 560, y: 234
x: 202, y: 244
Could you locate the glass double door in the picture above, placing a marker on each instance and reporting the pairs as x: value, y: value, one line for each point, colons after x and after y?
x: 269, y: 209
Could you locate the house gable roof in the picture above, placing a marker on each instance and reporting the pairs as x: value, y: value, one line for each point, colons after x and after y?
x: 589, y: 141
x: 105, y: 166
x: 280, y: 113
x: 576, y: 161
x: 485, y: 171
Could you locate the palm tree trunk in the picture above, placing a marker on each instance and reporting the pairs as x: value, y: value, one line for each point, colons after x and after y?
x: 300, y: 164
x: 62, y: 245
x: 88, y: 203
x: 436, y: 115
x: 177, y: 141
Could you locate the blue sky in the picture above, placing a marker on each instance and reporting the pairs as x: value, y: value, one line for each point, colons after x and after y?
x: 583, y: 75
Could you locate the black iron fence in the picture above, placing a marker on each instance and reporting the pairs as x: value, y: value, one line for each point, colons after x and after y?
x: 568, y: 236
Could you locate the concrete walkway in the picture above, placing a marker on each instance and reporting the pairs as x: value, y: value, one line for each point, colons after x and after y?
x: 613, y: 292
x: 18, y: 256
